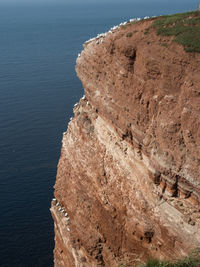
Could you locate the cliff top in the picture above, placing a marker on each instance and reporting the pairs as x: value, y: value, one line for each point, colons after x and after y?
x: 183, y: 27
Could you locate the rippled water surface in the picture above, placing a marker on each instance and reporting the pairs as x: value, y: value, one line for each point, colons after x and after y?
x: 38, y: 88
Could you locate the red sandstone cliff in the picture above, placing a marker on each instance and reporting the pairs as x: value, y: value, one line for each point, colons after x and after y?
x: 128, y: 179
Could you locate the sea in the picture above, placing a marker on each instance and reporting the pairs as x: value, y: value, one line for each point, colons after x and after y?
x: 39, y: 44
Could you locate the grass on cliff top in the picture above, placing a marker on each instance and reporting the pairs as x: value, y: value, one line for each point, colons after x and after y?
x: 184, y: 26
x: 192, y: 261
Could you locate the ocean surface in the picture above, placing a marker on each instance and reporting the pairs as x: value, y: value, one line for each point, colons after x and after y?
x: 38, y: 87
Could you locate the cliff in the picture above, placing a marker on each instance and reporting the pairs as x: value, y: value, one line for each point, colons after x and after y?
x: 128, y: 181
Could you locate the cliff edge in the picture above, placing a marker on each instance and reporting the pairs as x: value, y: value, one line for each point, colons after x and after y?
x: 128, y: 184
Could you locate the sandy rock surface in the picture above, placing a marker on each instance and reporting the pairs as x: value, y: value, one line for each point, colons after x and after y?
x: 128, y: 175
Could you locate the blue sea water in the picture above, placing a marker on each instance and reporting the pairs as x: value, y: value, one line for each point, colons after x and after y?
x: 39, y: 44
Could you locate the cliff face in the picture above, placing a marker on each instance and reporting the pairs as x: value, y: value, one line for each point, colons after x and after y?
x: 128, y: 180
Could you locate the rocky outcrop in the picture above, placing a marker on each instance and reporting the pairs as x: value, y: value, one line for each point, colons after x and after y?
x: 128, y: 181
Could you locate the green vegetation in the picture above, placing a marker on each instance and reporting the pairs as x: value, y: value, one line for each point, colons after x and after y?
x: 129, y: 34
x: 146, y: 31
x: 192, y: 261
x: 184, y: 26
x: 164, y: 44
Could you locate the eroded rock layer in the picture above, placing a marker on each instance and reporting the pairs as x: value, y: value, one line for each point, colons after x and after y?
x: 128, y: 175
